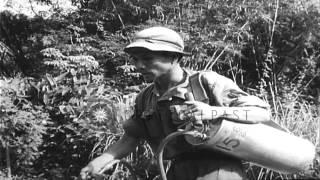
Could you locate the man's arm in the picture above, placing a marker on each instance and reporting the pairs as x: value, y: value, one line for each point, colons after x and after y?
x: 123, y: 147
x: 120, y: 149
x: 251, y: 113
x: 230, y: 102
x: 202, y: 111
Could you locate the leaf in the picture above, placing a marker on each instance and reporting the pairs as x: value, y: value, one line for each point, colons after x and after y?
x: 63, y: 109
x: 73, y: 72
x: 37, y: 87
x: 65, y: 90
x: 51, y: 80
x: 89, y: 90
x: 61, y: 77
x: 45, y: 99
x: 100, y: 90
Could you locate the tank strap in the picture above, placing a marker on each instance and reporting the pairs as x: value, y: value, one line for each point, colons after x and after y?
x: 197, y: 88
x: 200, y: 94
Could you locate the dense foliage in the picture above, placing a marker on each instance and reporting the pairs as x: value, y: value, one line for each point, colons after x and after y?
x: 66, y: 85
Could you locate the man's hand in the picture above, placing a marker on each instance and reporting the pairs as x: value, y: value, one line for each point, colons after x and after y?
x: 96, y: 166
x: 194, y: 111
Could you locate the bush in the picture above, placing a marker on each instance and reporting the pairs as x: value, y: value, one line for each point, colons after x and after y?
x: 23, y: 126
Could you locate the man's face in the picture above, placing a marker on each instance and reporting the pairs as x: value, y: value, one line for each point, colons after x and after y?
x: 151, y: 65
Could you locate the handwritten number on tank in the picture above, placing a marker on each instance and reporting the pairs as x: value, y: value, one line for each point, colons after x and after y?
x: 229, y: 144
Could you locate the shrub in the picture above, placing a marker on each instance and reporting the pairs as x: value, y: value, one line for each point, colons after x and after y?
x: 23, y: 126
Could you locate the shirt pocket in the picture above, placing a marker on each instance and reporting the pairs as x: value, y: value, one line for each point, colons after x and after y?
x: 152, y: 123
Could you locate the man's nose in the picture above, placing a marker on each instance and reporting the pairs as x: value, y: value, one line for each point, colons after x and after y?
x: 139, y: 65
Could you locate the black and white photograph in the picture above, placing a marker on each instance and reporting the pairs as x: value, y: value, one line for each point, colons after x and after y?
x: 159, y: 90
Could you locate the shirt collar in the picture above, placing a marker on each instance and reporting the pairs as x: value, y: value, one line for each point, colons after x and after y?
x: 176, y: 91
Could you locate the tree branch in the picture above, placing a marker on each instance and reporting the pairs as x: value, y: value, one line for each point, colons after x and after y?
x: 8, y: 161
x: 120, y: 19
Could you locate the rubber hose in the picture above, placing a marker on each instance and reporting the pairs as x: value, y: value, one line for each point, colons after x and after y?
x: 162, y: 145
x: 173, y: 135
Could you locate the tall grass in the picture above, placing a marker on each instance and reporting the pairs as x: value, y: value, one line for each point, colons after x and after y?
x: 300, y: 118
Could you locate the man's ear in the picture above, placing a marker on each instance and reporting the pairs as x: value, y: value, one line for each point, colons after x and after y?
x: 178, y: 58
x: 175, y: 60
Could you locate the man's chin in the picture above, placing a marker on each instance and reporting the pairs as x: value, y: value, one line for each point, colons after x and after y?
x: 148, y: 78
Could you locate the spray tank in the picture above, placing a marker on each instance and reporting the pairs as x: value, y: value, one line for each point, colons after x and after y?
x: 257, y: 143
x: 260, y: 144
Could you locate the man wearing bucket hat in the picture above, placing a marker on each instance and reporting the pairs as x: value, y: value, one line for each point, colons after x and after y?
x: 156, y: 53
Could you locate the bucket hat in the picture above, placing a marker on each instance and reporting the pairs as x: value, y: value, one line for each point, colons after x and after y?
x: 158, y: 39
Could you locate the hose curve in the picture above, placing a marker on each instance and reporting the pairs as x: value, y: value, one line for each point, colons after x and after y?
x: 162, y: 145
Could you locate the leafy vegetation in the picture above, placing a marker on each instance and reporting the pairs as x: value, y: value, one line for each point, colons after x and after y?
x: 66, y: 85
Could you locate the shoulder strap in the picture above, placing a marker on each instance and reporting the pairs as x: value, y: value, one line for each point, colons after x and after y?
x: 200, y: 94
x: 197, y: 88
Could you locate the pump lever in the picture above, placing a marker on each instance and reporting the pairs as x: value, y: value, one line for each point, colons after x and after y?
x: 196, y: 123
